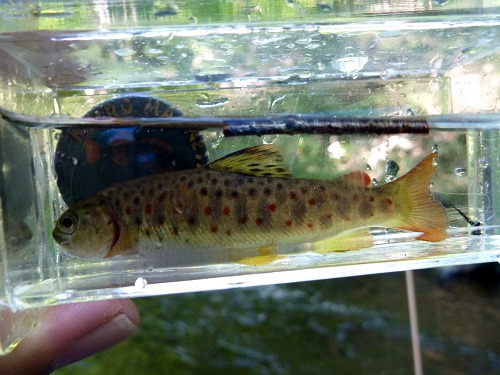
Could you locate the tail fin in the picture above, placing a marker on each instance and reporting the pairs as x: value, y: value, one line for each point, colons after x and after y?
x: 420, y: 212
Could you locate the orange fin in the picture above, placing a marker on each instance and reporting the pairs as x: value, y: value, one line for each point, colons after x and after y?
x: 419, y: 211
x: 357, y: 178
x: 343, y: 242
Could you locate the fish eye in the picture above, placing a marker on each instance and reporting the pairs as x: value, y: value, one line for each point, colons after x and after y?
x: 67, y: 223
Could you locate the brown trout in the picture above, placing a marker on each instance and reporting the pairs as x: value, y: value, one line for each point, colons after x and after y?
x: 248, y: 199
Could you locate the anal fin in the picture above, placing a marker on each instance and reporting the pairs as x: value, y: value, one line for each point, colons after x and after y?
x: 344, y: 242
x: 266, y: 255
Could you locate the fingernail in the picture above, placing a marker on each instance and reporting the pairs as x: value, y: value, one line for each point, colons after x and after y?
x: 103, y: 337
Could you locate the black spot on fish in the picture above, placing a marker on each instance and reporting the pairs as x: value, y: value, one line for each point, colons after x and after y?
x: 241, y: 211
x: 267, y: 192
x: 365, y: 210
x: 203, y: 191
x: 299, y: 211
x: 136, y: 201
x: 199, y: 180
x: 219, y: 193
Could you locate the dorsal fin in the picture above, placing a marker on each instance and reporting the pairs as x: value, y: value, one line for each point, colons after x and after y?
x: 263, y: 160
x: 357, y: 178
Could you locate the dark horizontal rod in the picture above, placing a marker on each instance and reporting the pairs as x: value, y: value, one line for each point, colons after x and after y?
x: 325, y: 124
x: 280, y: 124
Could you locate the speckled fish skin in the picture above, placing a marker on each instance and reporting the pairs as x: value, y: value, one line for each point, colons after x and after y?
x: 211, y: 209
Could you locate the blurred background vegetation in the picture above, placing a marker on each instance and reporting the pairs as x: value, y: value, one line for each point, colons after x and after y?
x: 356, y: 325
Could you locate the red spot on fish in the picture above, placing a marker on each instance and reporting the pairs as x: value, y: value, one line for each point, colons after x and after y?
x: 293, y: 195
x: 289, y: 223
x: 311, y: 202
x: 242, y: 220
x: 259, y: 221
x: 226, y: 211
x: 327, y: 217
x: 389, y: 201
x: 272, y: 207
x: 208, y: 211
x: 214, y: 229
x: 148, y: 209
x: 310, y: 226
x: 128, y: 210
x: 371, y: 198
x: 175, y: 210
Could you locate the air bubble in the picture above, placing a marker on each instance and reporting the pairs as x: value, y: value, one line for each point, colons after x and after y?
x: 154, y: 51
x: 409, y: 112
x: 374, y: 181
x: 460, y: 172
x: 391, y: 170
x: 484, y: 163
x: 124, y: 52
x: 141, y: 283
x: 368, y: 167
x: 269, y: 139
x: 434, y: 148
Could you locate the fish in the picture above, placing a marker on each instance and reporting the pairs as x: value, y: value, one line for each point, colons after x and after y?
x: 248, y: 199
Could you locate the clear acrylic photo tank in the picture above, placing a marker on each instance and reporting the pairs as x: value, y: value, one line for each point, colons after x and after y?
x: 251, y: 59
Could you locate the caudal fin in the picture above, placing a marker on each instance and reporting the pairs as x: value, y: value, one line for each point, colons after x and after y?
x: 419, y: 211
